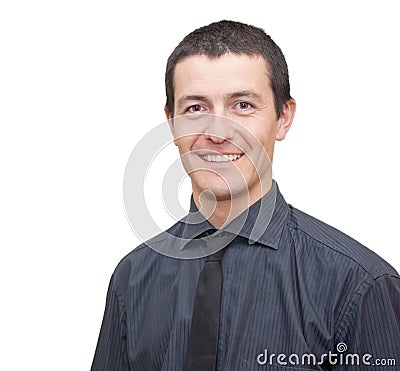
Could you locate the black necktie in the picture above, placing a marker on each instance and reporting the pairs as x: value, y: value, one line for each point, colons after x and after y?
x: 203, y: 339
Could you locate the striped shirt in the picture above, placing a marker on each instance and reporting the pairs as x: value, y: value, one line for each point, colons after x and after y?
x: 300, y: 295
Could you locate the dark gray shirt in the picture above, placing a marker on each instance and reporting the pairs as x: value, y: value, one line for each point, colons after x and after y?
x: 298, y: 295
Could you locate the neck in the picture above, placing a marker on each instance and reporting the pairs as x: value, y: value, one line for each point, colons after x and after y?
x: 221, y: 211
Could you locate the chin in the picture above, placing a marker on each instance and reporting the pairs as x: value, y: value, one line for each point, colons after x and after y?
x: 220, y: 189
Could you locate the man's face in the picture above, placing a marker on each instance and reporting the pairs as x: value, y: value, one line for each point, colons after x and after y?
x: 235, y: 90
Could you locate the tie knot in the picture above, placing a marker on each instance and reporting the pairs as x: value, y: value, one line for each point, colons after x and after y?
x: 210, y: 244
x: 207, y: 234
x: 216, y: 245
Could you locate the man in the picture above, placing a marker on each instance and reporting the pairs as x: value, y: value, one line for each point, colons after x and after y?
x: 263, y: 285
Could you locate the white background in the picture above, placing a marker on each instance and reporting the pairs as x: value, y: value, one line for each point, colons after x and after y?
x: 82, y: 81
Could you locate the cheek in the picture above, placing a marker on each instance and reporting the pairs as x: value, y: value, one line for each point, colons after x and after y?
x: 263, y: 126
x: 265, y: 135
x: 184, y: 143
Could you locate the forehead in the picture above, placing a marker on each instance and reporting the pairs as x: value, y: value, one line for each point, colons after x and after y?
x: 213, y: 76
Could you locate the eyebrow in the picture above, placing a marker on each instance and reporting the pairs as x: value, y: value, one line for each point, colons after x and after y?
x: 201, y: 98
x: 190, y: 98
x: 245, y: 93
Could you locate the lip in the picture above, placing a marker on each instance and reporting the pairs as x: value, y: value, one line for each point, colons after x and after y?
x: 219, y: 163
x: 211, y: 152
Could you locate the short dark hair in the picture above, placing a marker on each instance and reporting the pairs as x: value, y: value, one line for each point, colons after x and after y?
x: 223, y: 37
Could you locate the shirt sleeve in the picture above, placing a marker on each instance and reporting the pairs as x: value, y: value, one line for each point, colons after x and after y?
x: 111, y: 351
x: 372, y: 329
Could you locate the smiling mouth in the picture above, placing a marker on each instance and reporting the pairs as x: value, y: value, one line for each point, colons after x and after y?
x: 221, y: 158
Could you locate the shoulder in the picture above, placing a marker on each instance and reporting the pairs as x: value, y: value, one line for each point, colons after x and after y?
x: 329, y: 242
x: 146, y: 256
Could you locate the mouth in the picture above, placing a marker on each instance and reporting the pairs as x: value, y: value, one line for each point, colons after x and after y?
x: 222, y: 158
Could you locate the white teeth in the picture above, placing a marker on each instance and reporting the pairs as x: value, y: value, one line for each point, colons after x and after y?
x: 221, y: 158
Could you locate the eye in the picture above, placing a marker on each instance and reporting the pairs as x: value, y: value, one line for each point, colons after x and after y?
x: 244, y: 106
x: 196, y: 108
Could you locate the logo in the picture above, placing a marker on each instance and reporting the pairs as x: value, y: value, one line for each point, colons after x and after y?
x: 330, y: 358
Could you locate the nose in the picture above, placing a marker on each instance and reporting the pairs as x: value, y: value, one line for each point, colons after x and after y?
x: 219, y: 129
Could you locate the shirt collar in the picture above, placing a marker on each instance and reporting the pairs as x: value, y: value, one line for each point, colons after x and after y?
x: 262, y: 222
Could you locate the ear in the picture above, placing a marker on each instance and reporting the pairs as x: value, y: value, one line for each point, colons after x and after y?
x: 170, y: 120
x: 168, y: 117
x: 285, y: 119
